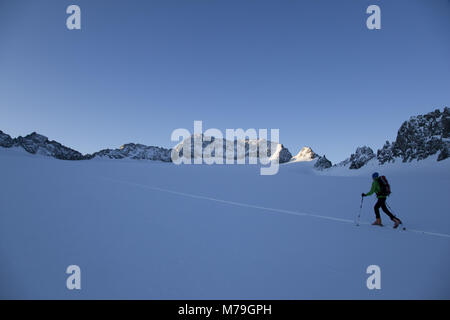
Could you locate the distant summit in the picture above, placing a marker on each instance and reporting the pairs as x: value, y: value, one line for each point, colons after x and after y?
x: 38, y: 144
x: 322, y: 163
x: 5, y: 140
x: 305, y: 154
x: 358, y: 159
x: 418, y: 138
x: 134, y: 151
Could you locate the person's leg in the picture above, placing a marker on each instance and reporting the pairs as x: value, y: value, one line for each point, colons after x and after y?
x: 377, y: 214
x: 385, y: 209
x: 377, y: 209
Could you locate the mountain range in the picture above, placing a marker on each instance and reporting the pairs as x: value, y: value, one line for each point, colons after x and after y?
x: 418, y: 138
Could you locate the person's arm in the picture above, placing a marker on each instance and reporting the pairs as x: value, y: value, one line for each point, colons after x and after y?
x: 373, y: 189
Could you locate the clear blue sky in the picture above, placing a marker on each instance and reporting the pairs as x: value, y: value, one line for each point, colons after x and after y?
x: 139, y: 69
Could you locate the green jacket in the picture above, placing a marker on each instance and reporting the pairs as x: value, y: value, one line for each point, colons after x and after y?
x: 375, y: 189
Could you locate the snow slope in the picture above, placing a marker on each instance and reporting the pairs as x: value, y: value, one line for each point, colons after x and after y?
x: 153, y: 230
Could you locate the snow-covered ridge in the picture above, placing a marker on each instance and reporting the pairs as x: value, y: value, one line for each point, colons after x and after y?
x: 38, y: 144
x: 418, y: 138
x: 35, y: 143
x: 305, y: 154
x: 358, y: 159
x: 134, y: 151
x: 275, y: 151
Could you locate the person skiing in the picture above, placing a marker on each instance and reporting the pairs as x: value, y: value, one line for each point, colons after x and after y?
x: 381, y: 203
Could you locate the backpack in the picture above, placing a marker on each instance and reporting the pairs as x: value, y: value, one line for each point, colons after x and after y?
x: 385, y: 188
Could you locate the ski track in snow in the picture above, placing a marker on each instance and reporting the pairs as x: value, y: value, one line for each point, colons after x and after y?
x: 246, y: 205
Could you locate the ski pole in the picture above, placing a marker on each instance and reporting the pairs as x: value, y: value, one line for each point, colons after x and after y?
x: 360, y: 209
x: 390, y: 209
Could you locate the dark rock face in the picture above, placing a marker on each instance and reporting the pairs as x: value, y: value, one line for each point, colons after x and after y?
x: 322, y: 163
x: 135, y: 151
x: 419, y: 138
x: 5, y: 140
x: 444, y: 153
x: 284, y: 155
x: 358, y: 159
x: 361, y: 157
x: 385, y: 154
x: 38, y: 144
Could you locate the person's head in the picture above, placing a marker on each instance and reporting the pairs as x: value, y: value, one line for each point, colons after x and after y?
x: 375, y: 175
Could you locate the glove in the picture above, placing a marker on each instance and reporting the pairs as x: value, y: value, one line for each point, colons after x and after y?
x: 363, y: 195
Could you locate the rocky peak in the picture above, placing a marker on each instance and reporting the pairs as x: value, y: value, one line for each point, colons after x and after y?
x: 135, y: 151
x: 420, y: 137
x: 37, y: 138
x: 5, y: 140
x: 38, y: 144
x: 305, y: 154
x: 322, y: 163
x: 358, y: 159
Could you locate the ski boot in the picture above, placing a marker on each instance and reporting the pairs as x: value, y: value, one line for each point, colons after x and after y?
x: 377, y: 222
x: 397, y: 222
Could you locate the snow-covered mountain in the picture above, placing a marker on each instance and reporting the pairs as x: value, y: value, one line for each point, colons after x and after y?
x: 305, y: 154
x: 358, y: 159
x: 322, y: 163
x: 38, y: 144
x: 134, y: 151
x: 249, y: 146
x: 5, y: 140
x: 420, y: 137
x: 35, y: 143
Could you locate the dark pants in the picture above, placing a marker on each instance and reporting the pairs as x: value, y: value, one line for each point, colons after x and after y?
x: 382, y: 203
